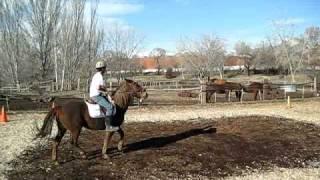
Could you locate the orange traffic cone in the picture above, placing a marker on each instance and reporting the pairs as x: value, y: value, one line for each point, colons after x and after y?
x: 3, y: 116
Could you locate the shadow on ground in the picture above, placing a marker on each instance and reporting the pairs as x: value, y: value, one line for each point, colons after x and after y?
x: 182, y: 149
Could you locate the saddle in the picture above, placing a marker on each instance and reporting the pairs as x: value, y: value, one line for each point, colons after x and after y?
x: 95, y: 110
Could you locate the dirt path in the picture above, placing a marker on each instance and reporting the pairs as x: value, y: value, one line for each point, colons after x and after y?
x: 18, y: 133
x: 307, y: 111
x: 195, y: 149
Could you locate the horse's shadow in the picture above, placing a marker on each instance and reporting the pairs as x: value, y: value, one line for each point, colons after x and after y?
x: 155, y: 142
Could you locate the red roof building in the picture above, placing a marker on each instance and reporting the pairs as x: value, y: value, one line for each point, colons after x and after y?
x: 233, y: 63
x: 150, y: 64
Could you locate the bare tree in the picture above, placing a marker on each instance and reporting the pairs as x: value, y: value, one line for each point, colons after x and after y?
x: 94, y: 38
x: 264, y: 57
x: 205, y: 55
x: 213, y: 49
x: 313, y: 48
x: 288, y: 48
x: 35, y: 35
x: 158, y: 54
x: 13, y: 38
x: 122, y: 45
x: 244, y: 51
x: 73, y: 49
x: 43, y: 17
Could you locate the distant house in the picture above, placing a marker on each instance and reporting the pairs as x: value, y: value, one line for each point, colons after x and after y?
x: 149, y: 64
x: 233, y: 63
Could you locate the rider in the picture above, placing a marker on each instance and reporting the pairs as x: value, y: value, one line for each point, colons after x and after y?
x: 97, y: 90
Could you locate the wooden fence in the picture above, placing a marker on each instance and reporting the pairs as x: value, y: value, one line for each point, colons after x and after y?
x: 6, y: 99
x: 164, y: 86
x: 201, y: 88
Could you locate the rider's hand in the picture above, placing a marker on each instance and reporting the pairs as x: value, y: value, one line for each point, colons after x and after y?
x: 102, y: 88
x: 110, y: 99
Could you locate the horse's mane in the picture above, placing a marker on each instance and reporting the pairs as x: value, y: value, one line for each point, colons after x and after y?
x: 120, y: 97
x: 117, y: 89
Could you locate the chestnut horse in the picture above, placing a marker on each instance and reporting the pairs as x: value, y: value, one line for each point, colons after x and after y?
x: 255, y: 87
x: 222, y: 86
x: 73, y: 115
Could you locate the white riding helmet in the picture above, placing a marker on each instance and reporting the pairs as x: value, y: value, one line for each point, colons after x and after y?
x: 100, y: 64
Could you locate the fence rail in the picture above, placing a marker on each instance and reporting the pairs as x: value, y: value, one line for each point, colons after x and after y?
x: 189, y: 86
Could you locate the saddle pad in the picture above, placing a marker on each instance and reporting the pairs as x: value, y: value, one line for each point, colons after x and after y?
x: 95, y: 111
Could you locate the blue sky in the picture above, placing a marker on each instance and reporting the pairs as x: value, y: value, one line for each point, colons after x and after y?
x: 163, y: 22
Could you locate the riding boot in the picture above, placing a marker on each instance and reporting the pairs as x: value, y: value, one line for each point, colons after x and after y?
x: 109, y: 127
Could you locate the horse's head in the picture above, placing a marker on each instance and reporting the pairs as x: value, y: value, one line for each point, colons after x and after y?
x: 136, y: 90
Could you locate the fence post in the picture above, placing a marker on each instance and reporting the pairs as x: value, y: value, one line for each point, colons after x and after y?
x: 265, y: 82
x: 215, y: 97
x: 110, y: 86
x: 242, y: 93
x: 303, y: 92
x: 7, y: 101
x: 315, y: 85
x: 229, y: 93
x: 200, y: 93
x: 87, y: 85
x: 52, y: 86
x: 203, y: 92
x: 289, y: 102
x: 78, y: 85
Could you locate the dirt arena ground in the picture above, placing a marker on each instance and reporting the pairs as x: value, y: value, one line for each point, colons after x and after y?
x: 230, y: 141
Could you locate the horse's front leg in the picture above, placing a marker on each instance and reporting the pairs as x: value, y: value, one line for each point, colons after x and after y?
x: 106, y: 141
x: 121, y: 141
x: 227, y: 94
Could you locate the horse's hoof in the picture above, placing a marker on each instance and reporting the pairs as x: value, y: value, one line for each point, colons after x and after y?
x: 120, y: 147
x: 105, y: 156
x: 83, y: 156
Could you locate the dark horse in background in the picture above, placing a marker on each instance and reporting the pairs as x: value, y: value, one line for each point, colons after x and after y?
x: 74, y: 115
x: 222, y: 86
x: 255, y: 87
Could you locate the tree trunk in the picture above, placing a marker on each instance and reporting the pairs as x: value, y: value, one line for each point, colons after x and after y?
x: 63, y: 74
x: 56, y: 69
x: 221, y: 74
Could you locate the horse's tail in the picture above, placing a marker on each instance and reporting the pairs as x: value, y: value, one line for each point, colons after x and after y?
x: 48, y: 122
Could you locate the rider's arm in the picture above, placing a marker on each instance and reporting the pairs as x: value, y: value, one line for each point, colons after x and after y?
x: 106, y: 93
x: 101, y: 86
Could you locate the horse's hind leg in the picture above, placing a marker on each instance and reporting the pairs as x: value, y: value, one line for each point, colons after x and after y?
x: 75, y: 136
x: 106, y: 142
x: 71, y: 139
x: 121, y: 141
x: 57, y: 140
x: 255, y: 95
x: 238, y: 95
